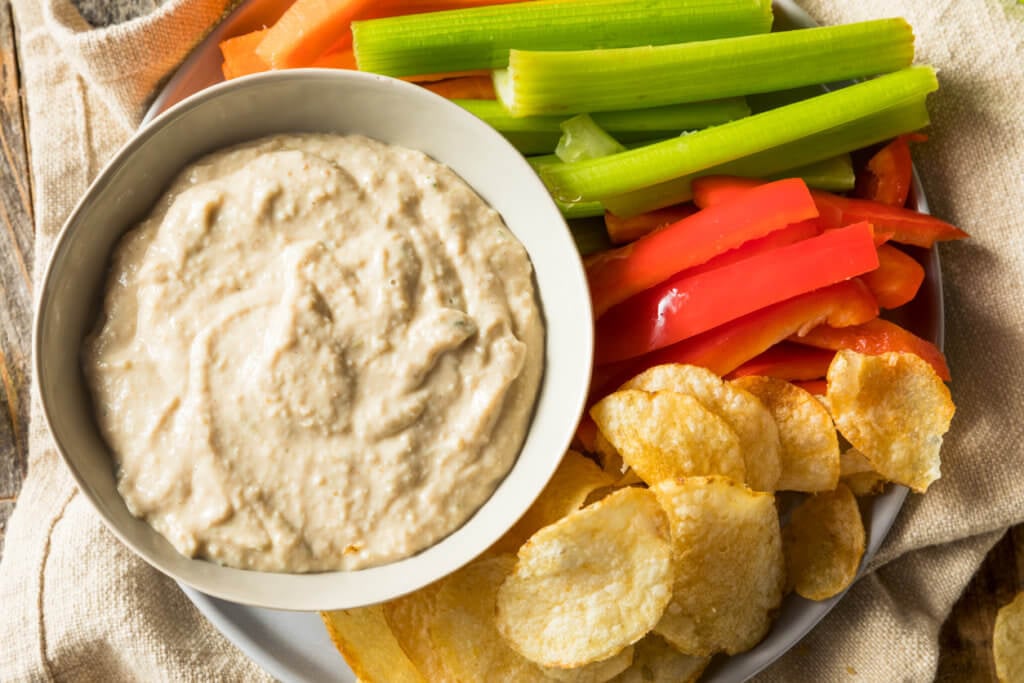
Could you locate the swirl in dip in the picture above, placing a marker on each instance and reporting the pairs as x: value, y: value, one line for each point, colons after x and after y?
x: 317, y: 353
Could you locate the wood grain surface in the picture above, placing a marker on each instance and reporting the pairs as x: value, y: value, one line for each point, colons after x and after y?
x: 15, y: 274
x: 966, y: 636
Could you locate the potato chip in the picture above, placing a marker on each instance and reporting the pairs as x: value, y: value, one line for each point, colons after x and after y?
x: 727, y: 552
x: 824, y: 544
x: 748, y: 417
x: 894, y: 409
x: 1008, y: 641
x: 364, y: 639
x: 856, y: 472
x: 655, y: 661
x: 810, y: 447
x: 611, y: 461
x: 575, y: 479
x: 598, y: 672
x: 591, y: 584
x: 664, y: 435
x: 408, y: 618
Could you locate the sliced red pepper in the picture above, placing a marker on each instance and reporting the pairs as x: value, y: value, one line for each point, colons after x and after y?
x: 780, y: 238
x: 729, y: 346
x: 904, y: 225
x: 616, y: 275
x: 897, y: 278
x: 873, y: 338
x: 625, y: 230
x: 888, y: 175
x: 689, y: 304
x: 788, y: 361
x: 818, y: 387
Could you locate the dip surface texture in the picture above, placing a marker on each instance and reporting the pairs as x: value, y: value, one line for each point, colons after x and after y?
x: 317, y: 353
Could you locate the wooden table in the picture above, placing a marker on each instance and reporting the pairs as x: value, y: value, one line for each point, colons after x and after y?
x: 966, y: 636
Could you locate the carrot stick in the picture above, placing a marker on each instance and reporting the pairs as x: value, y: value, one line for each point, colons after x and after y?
x: 344, y: 59
x: 306, y: 31
x: 467, y: 88
x: 240, y: 58
x: 875, y: 337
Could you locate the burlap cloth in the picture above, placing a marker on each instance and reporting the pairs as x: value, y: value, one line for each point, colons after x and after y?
x: 77, y: 606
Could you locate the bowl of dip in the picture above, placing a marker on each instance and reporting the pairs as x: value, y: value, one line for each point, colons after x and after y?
x: 313, y: 339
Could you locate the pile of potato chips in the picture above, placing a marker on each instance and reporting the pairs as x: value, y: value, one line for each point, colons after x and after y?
x: 666, y: 545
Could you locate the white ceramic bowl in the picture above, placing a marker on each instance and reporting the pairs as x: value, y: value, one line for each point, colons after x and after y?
x: 315, y: 101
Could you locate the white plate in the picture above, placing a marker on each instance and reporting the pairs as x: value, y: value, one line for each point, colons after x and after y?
x: 294, y: 647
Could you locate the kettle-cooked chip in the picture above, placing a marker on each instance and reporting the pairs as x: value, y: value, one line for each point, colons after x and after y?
x: 409, y: 617
x: 591, y: 584
x: 611, y: 461
x: 894, y: 409
x: 363, y: 638
x: 655, y: 661
x: 572, y: 483
x: 666, y: 434
x: 727, y: 553
x: 597, y: 672
x: 824, y: 544
x: 1008, y: 641
x: 810, y: 447
x: 745, y: 415
x: 857, y: 473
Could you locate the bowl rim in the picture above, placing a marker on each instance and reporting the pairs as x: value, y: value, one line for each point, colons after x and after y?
x: 445, y: 563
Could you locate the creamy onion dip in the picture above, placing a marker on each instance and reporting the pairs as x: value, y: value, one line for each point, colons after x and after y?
x: 316, y: 353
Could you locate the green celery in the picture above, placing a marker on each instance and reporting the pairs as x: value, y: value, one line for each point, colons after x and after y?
x: 540, y: 134
x: 569, y: 210
x: 634, y: 169
x: 834, y: 174
x: 480, y: 37
x: 583, y: 139
x: 861, y: 133
x: 538, y: 83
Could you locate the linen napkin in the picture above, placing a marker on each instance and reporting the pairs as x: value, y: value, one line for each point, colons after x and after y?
x: 78, y: 606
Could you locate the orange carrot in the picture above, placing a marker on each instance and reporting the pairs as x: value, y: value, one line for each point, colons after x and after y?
x: 467, y: 88
x: 344, y: 59
x: 240, y: 58
x: 307, y: 30
x: 432, y: 78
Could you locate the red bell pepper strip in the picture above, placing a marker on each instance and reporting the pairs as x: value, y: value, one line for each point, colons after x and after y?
x: 780, y: 238
x: 875, y: 337
x: 729, y: 346
x: 887, y: 176
x: 689, y: 304
x: 618, y: 274
x: 818, y: 387
x: 905, y: 226
x: 897, y: 278
x: 624, y: 230
x: 792, y: 362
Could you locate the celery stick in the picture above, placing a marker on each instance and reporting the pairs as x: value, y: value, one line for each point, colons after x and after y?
x: 569, y: 210
x: 628, y: 171
x: 540, y: 134
x: 861, y: 133
x: 834, y: 174
x: 583, y: 139
x: 601, y: 80
x: 480, y: 38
